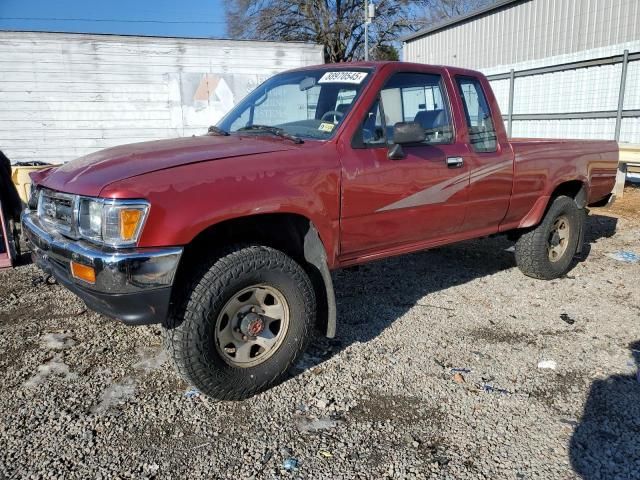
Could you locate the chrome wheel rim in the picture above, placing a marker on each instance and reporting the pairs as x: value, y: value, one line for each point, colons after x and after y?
x: 558, y: 240
x: 251, y: 326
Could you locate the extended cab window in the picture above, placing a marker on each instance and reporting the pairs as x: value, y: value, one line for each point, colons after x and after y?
x: 410, y: 97
x: 482, y: 133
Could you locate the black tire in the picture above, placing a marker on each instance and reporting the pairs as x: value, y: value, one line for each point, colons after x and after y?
x: 190, y: 330
x: 532, y: 248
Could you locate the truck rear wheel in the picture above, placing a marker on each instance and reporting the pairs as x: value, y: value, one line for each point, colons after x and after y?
x: 546, y: 251
x: 242, y: 323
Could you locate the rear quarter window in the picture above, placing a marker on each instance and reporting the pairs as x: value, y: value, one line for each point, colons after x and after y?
x: 482, y: 132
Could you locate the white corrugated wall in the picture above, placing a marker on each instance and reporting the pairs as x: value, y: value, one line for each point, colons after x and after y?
x: 66, y: 95
x: 529, y: 30
x: 540, y: 33
x: 592, y: 89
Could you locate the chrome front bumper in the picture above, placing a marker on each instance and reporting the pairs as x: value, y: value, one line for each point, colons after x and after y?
x: 133, y: 285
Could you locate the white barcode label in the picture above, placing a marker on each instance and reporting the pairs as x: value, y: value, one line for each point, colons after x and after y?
x: 343, y: 77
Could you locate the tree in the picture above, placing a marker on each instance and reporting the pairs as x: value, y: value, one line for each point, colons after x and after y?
x: 336, y: 24
x: 385, y: 52
x: 436, y: 11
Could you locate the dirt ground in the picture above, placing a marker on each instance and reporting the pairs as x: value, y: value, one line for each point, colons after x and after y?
x: 448, y: 364
x: 628, y: 206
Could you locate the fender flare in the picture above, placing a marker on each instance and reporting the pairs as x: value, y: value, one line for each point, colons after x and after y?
x: 581, y: 197
x: 539, y: 209
x: 316, y: 255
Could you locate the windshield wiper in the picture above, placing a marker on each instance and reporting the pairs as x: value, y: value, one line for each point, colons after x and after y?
x: 213, y: 130
x: 280, y: 132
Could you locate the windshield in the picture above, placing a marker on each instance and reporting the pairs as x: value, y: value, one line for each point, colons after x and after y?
x: 305, y: 104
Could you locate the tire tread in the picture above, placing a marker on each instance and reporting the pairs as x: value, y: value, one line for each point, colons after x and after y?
x: 531, y: 248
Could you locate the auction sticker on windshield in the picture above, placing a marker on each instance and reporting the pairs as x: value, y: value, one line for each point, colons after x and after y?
x: 326, y: 127
x: 343, y: 77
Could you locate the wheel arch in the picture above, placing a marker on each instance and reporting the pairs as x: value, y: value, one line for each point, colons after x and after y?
x: 291, y: 233
x: 575, y: 188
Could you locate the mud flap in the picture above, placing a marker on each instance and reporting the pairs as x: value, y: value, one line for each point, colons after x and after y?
x: 583, y: 225
x: 315, y: 254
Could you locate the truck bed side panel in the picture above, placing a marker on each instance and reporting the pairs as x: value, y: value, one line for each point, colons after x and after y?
x: 541, y: 165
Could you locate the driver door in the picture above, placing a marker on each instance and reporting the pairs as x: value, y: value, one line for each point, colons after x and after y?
x: 416, y: 200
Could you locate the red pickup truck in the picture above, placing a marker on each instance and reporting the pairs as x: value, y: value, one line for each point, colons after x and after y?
x: 228, y: 239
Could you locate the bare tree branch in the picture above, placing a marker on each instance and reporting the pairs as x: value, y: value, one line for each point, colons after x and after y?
x: 435, y: 11
x: 336, y: 24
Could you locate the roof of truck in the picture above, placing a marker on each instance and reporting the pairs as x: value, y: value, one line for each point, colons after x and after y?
x: 379, y: 65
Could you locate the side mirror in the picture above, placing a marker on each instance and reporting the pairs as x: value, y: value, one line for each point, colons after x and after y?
x: 405, y: 133
x: 408, y: 132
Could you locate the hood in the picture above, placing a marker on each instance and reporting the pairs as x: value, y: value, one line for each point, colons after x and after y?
x: 90, y: 174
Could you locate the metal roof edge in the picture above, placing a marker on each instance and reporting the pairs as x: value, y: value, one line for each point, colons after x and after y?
x: 500, y: 4
x: 168, y: 37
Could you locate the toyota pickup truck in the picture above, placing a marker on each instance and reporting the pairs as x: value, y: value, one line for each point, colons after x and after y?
x: 228, y: 239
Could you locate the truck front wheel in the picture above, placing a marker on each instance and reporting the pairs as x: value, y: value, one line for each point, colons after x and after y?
x: 546, y: 251
x: 242, y: 322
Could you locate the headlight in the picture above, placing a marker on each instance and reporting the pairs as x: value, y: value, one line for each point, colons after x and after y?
x: 90, y: 219
x: 117, y: 223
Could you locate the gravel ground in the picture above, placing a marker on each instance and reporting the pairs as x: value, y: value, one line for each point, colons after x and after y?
x: 85, y: 397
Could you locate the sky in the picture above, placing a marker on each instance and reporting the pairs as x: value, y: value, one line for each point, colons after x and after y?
x: 181, y: 18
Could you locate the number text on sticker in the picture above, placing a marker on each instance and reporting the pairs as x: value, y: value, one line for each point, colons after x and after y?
x: 343, y: 77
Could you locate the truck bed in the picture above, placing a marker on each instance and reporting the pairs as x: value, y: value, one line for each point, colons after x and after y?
x: 592, y: 162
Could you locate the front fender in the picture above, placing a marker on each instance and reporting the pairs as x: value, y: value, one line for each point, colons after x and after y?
x: 188, y: 199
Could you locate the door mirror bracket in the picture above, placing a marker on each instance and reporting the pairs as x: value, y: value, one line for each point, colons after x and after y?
x: 395, y: 152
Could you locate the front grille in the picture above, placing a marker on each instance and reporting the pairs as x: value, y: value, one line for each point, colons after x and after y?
x: 57, y: 209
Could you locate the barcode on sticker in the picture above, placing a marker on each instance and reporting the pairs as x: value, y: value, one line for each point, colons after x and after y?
x: 343, y: 77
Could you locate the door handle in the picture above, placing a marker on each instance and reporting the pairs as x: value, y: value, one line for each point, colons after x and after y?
x: 455, y: 162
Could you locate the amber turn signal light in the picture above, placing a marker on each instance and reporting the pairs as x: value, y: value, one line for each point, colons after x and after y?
x: 83, y: 272
x: 129, y: 220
